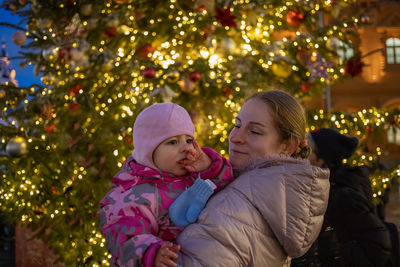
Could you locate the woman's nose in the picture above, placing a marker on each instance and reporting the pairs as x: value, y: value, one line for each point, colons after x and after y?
x: 236, y: 136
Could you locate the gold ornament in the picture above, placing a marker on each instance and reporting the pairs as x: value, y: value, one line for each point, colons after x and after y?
x: 282, y: 69
x: 173, y: 76
x: 106, y: 66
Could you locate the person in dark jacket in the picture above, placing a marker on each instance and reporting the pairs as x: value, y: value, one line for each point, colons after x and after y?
x: 352, y: 233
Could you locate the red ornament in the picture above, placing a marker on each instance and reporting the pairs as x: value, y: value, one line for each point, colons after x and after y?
x: 146, y: 51
x: 62, y: 53
x: 225, y: 17
x: 74, y: 90
x: 149, y: 73
x: 368, y: 129
x: 129, y: 140
x: 54, y: 190
x: 111, y: 32
x: 294, y: 17
x: 50, y: 128
x: 393, y: 121
x: 227, y: 91
x: 201, y: 8
x: 194, y: 76
x: 74, y: 106
x: 354, y: 67
x: 306, y: 86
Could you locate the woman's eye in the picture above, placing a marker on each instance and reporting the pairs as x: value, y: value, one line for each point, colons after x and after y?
x: 254, y: 132
x: 237, y: 126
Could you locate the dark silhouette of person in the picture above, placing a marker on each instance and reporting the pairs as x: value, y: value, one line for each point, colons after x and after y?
x: 352, y: 233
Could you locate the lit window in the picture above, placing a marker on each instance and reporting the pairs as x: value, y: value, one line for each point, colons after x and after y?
x: 393, y: 136
x: 393, y: 51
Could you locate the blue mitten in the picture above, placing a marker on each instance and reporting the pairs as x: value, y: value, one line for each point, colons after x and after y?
x: 187, y: 207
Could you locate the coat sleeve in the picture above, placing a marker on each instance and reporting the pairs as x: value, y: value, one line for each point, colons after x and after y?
x: 128, y: 222
x: 220, y: 171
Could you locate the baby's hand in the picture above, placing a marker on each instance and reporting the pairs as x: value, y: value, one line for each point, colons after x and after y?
x: 165, y: 255
x: 197, y: 160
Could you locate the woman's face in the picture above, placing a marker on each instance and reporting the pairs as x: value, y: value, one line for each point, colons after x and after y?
x: 254, y: 134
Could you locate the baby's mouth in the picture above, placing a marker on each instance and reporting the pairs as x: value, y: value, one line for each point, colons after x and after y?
x: 181, y: 161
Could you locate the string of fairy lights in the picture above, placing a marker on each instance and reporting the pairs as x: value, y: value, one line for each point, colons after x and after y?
x: 363, y: 125
x: 185, y: 26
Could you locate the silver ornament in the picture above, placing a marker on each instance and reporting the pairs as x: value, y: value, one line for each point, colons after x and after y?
x: 16, y: 147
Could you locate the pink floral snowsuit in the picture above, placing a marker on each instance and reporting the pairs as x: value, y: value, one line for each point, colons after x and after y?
x: 134, y: 215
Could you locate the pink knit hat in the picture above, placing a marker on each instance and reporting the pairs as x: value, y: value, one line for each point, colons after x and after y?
x: 155, y: 124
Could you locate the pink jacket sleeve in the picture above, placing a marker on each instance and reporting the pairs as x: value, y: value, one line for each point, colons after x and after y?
x: 220, y: 171
x: 129, y: 225
x: 150, y: 254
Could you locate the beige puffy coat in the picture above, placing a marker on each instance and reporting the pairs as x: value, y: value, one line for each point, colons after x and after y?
x: 271, y: 212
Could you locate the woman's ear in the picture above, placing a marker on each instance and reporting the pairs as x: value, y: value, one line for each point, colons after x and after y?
x: 290, y: 146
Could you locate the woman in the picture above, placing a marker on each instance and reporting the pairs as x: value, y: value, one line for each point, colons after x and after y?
x: 274, y: 209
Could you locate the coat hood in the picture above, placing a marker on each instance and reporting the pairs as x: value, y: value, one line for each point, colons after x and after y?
x: 291, y: 195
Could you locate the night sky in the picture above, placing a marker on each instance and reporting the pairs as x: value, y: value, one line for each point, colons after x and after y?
x: 25, y: 76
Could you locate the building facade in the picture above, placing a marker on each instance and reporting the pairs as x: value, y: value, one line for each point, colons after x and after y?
x: 379, y: 83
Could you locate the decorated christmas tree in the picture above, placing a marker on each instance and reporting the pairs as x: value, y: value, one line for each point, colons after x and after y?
x: 103, y: 61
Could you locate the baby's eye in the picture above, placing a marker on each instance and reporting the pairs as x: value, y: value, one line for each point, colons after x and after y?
x: 172, y: 142
x: 189, y: 141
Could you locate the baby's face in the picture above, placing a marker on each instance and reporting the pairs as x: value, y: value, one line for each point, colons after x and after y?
x: 169, y: 152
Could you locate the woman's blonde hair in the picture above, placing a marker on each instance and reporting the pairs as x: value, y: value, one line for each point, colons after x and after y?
x: 289, y: 118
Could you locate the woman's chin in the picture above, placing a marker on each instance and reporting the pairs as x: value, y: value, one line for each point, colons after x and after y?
x: 237, y: 162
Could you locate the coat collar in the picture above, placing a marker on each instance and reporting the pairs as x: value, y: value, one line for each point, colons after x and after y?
x: 268, y: 161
